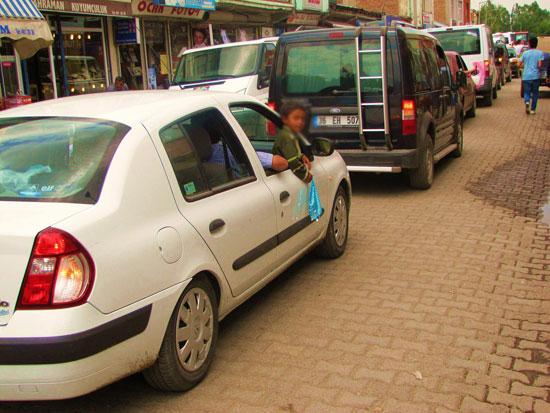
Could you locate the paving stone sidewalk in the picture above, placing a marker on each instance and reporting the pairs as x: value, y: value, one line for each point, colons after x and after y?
x: 441, y: 303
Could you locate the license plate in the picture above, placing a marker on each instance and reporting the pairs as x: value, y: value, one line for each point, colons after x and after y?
x: 336, y: 121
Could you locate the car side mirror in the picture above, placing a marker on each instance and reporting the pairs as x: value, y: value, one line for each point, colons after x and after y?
x: 461, y: 78
x: 323, y: 147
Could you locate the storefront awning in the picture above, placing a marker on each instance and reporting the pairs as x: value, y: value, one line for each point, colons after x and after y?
x: 21, y: 21
x: 265, y: 5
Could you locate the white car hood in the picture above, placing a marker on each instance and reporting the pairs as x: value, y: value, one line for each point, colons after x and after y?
x: 234, y: 85
x: 20, y: 222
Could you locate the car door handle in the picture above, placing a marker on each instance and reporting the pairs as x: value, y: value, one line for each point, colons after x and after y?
x: 216, y: 224
x: 284, y: 196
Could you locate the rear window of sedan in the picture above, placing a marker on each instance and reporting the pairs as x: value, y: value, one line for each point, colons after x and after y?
x: 56, y: 159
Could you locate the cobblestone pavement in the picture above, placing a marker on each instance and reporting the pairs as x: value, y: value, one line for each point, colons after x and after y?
x: 441, y: 303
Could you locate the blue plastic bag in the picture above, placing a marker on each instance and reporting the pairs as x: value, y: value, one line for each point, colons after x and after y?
x: 314, y: 203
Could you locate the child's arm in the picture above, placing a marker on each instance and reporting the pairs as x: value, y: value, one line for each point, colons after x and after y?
x: 286, y: 147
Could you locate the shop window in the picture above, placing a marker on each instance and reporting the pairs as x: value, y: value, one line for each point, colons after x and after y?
x: 130, y: 66
x: 179, y: 42
x: 8, y: 70
x: 158, y: 65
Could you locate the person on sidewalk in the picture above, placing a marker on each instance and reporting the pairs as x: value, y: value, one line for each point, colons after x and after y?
x: 531, y: 61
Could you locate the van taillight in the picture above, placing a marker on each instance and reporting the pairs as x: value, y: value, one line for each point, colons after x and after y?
x: 408, y: 117
x: 487, y: 64
x: 272, y: 106
x: 60, y: 272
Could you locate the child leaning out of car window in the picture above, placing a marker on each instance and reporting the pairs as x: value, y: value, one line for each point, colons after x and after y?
x: 287, y: 143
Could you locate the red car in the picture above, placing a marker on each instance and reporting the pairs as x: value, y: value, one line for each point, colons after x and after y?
x: 467, y: 92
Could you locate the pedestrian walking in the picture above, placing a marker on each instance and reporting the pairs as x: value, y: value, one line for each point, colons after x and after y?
x: 531, y: 61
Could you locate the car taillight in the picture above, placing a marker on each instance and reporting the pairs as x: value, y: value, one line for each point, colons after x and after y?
x: 270, y: 127
x: 272, y: 106
x: 487, y: 64
x: 60, y: 272
x: 408, y: 117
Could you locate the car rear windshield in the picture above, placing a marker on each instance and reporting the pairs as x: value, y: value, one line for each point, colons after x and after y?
x: 219, y: 63
x: 320, y: 69
x: 56, y: 159
x: 463, y: 41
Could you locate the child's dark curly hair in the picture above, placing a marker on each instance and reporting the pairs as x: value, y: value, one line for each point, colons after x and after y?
x: 290, y: 106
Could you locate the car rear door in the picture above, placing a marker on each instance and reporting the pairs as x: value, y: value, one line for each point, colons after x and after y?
x: 217, y: 191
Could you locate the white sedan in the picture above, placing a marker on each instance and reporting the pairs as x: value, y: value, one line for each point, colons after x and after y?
x: 132, y: 222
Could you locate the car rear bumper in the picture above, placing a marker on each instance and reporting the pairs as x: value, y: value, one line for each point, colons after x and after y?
x: 47, y: 360
x: 377, y: 160
x: 486, y: 87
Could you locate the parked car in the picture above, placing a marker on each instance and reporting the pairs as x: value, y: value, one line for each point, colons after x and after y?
x: 475, y: 44
x: 132, y: 222
x: 502, y: 63
x: 515, y: 70
x: 406, y: 117
x: 467, y: 91
x: 241, y: 67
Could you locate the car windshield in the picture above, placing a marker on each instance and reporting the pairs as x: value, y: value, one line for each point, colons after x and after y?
x: 321, y: 69
x: 217, y: 63
x: 56, y: 159
x: 464, y: 41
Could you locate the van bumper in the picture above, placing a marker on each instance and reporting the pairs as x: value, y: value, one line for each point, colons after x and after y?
x: 394, y: 161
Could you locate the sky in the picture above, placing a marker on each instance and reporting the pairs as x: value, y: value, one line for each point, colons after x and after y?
x: 544, y: 4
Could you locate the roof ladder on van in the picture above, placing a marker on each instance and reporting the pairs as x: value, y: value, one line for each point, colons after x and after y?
x: 365, y: 75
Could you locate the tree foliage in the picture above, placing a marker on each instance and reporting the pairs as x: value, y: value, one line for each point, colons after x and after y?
x: 530, y: 17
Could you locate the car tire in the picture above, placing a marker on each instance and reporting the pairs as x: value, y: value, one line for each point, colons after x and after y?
x: 472, y: 112
x: 488, y: 99
x: 422, y: 177
x: 175, y: 370
x: 459, y: 139
x: 336, y: 238
x: 495, y: 93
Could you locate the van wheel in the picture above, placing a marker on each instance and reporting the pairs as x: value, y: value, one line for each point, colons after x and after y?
x: 472, y: 112
x: 336, y: 238
x: 423, y: 176
x: 495, y: 93
x: 488, y: 99
x: 459, y: 140
x: 189, y: 342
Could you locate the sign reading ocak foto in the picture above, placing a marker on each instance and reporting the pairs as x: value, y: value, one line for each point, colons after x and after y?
x: 148, y: 8
x: 189, y: 4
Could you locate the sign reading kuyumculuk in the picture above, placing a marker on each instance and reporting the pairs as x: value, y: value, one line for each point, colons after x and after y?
x: 188, y: 4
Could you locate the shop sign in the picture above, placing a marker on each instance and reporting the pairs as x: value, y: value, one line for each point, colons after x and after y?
x: 148, y: 8
x: 303, y: 18
x: 102, y: 8
x: 189, y: 4
x: 316, y: 5
x: 125, y: 31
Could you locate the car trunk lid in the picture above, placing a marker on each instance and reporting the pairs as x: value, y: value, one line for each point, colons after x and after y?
x: 20, y: 222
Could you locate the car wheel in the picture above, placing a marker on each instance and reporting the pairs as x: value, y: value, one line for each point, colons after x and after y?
x: 488, y: 99
x: 472, y: 112
x: 459, y: 139
x: 423, y: 176
x: 336, y: 238
x: 495, y: 93
x: 189, y: 342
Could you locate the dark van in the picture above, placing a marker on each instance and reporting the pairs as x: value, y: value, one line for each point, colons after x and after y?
x: 384, y: 95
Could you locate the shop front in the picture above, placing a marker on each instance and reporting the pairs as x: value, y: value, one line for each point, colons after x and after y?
x: 81, y: 51
x: 165, y: 33
x: 23, y: 31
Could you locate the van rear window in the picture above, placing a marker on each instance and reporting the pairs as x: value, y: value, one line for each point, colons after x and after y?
x: 320, y: 69
x: 463, y: 41
x: 56, y: 159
